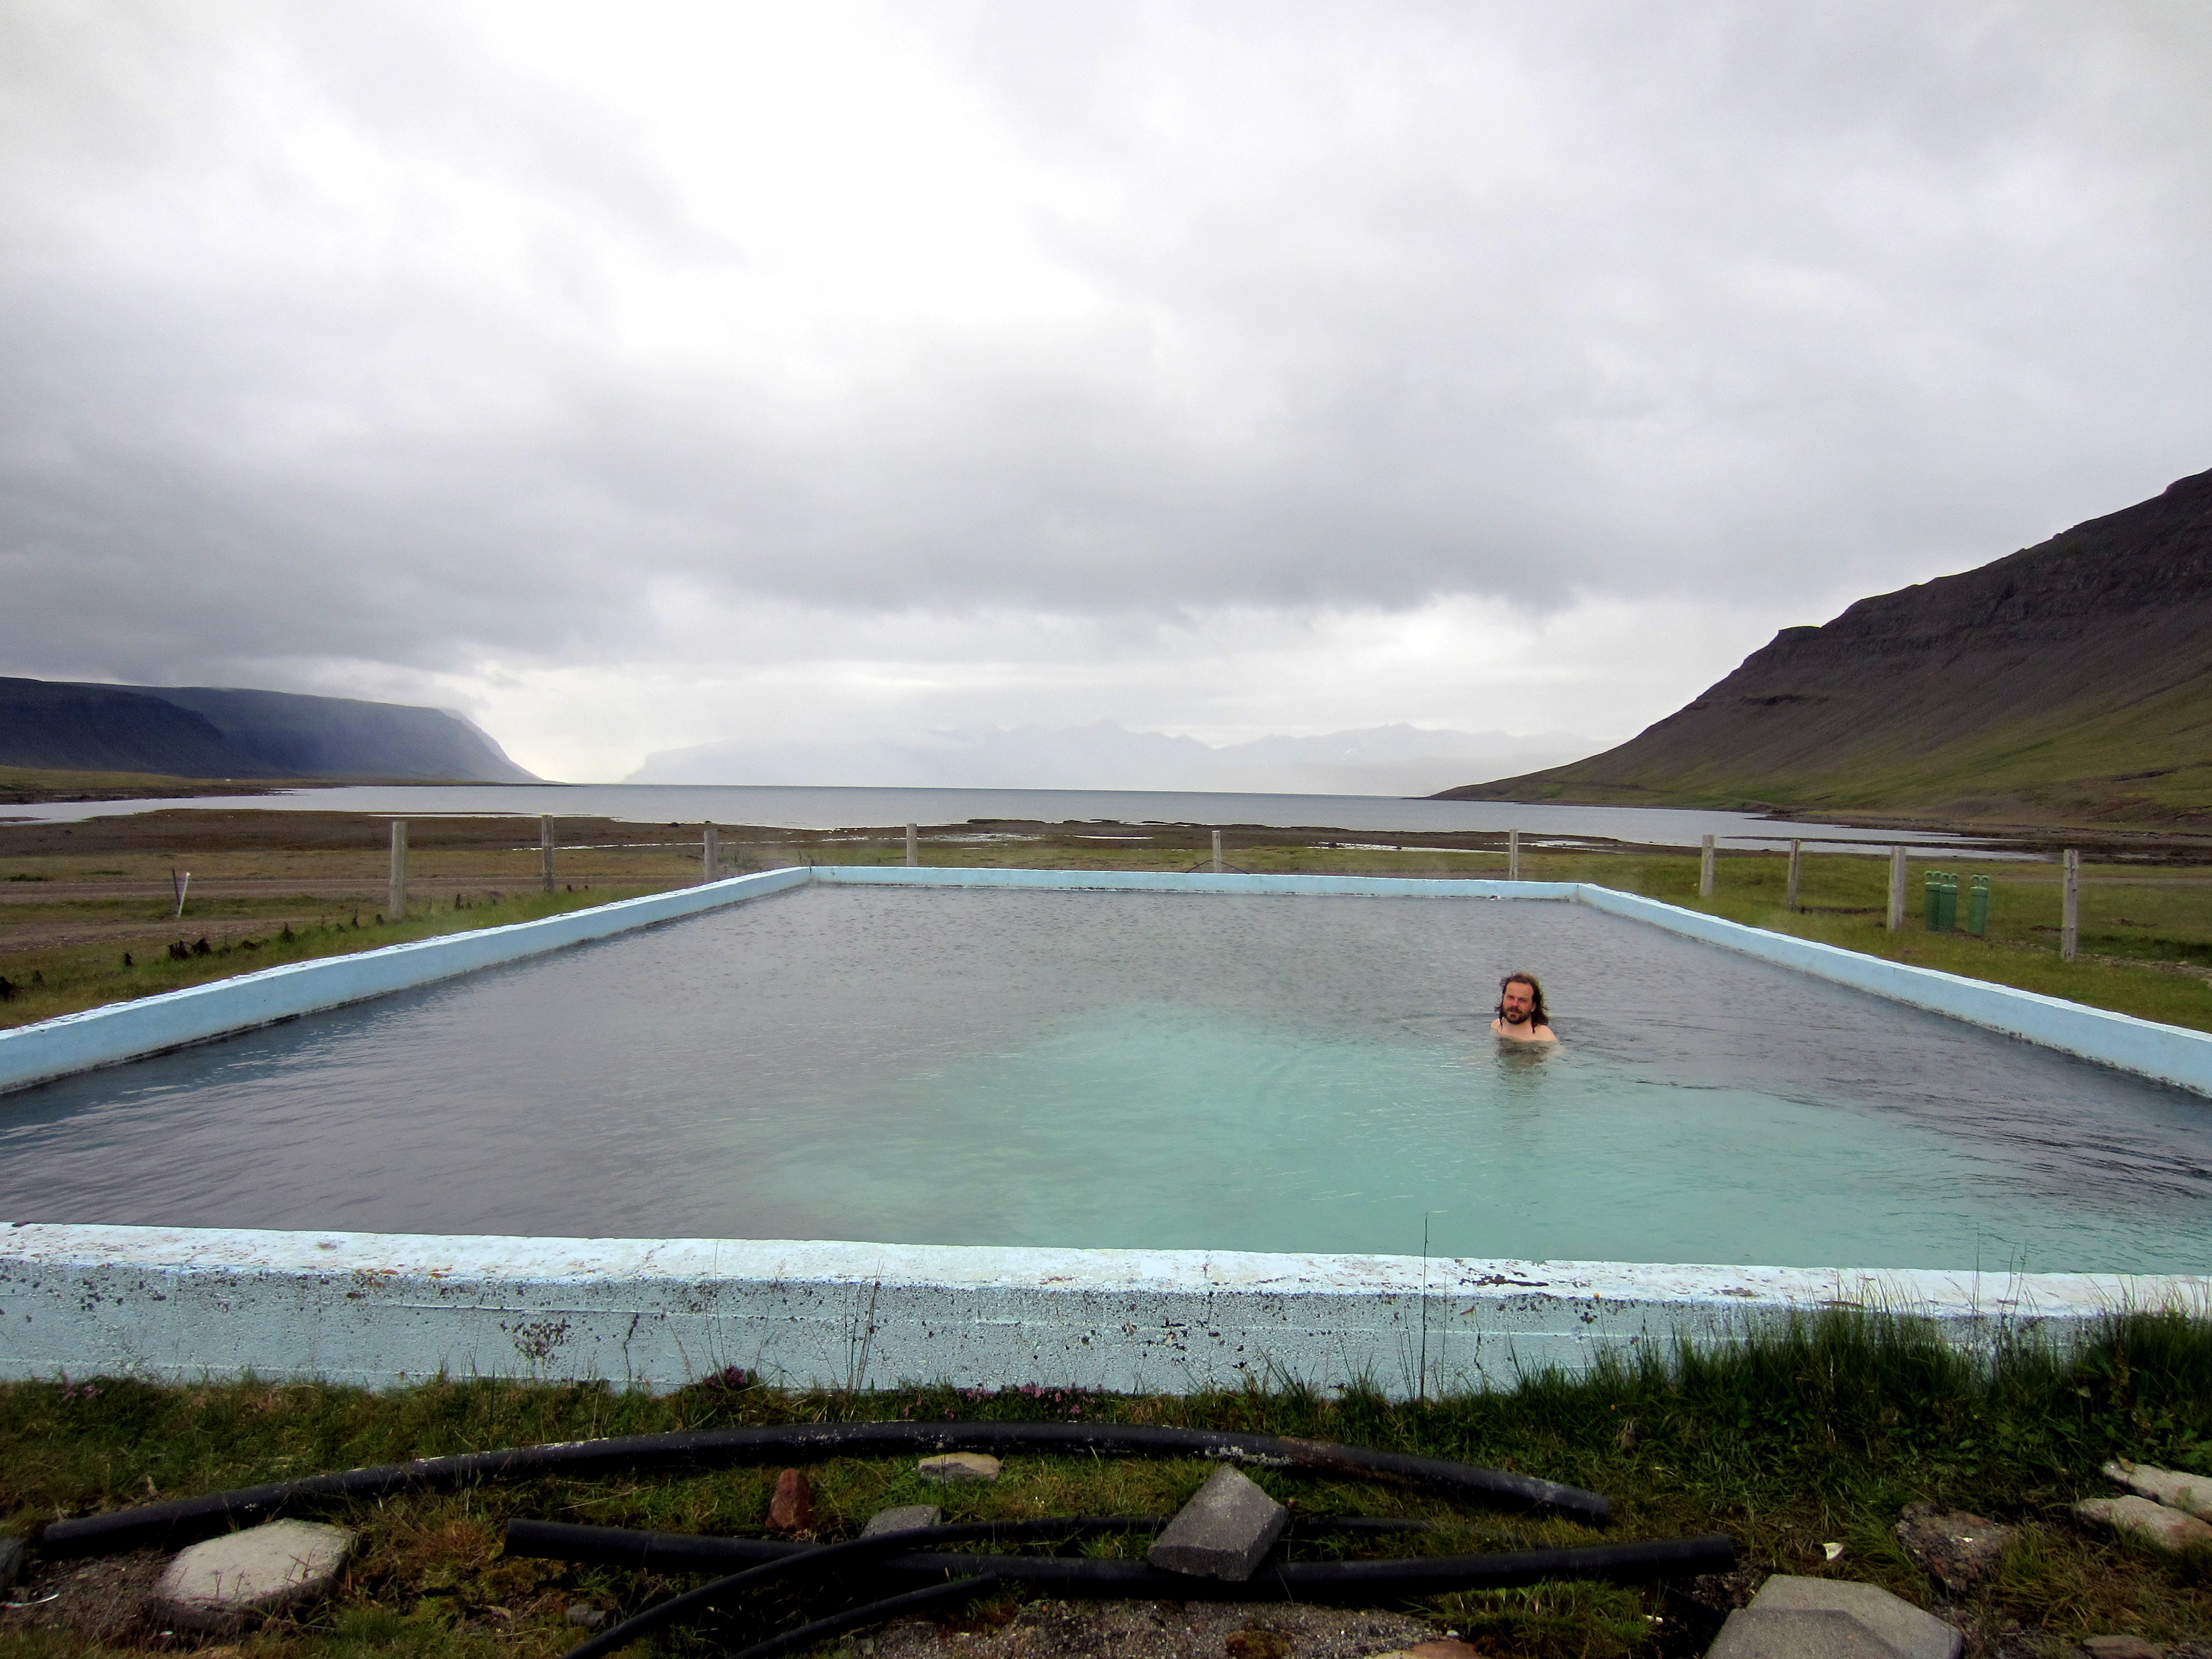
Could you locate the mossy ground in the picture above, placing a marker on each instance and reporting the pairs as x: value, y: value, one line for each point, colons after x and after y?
x: 1787, y: 1443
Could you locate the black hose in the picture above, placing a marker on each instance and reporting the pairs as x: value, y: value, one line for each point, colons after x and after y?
x: 195, y: 1517
x: 1085, y: 1579
x: 876, y: 1613
x: 680, y: 1609
x: 685, y: 1551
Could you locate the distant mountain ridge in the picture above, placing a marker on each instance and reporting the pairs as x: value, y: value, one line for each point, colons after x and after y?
x: 219, y: 731
x: 2069, y: 681
x: 1383, y: 760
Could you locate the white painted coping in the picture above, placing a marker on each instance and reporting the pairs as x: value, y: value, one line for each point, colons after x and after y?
x: 175, y: 1019
x: 382, y: 1310
x: 2168, y: 1054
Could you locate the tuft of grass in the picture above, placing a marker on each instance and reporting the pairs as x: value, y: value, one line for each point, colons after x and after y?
x: 1792, y: 1437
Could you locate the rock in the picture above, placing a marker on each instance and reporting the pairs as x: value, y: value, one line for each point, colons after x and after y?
x: 11, y: 1561
x: 585, y: 1616
x: 228, y: 1583
x: 959, y: 1467
x: 1224, y: 1532
x: 1441, y: 1649
x: 2192, y: 1492
x: 2154, y: 1523
x: 1792, y: 1618
x: 903, y: 1520
x: 791, y: 1509
x: 2123, y: 1647
x: 1957, y: 1548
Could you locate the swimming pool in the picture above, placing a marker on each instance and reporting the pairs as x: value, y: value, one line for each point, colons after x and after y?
x: 1145, y: 1071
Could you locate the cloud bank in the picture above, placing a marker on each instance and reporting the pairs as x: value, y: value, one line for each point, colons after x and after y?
x: 649, y: 378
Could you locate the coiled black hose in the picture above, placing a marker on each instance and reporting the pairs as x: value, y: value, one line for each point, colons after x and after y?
x: 1085, y: 1579
x: 828, y: 1557
x: 187, y: 1518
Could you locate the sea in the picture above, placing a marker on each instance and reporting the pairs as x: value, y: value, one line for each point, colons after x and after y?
x: 772, y: 806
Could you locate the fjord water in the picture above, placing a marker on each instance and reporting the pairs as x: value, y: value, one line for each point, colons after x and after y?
x: 1133, y: 1070
x: 831, y: 808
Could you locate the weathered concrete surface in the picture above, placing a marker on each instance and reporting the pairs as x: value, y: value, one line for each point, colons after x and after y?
x: 1792, y: 1618
x: 230, y: 1583
x: 1224, y: 1532
x: 387, y: 1310
x: 2192, y: 1492
x: 2152, y: 1523
x: 905, y: 1518
x: 959, y: 1469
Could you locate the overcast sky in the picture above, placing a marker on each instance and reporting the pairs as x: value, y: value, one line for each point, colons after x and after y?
x: 636, y: 376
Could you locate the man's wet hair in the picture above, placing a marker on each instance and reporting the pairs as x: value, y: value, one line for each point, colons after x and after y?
x: 1536, y: 1015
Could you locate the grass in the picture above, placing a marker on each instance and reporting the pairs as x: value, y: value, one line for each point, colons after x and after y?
x: 1818, y: 1433
x: 229, y: 936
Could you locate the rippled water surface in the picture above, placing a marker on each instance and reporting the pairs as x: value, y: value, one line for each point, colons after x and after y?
x: 1269, y: 1073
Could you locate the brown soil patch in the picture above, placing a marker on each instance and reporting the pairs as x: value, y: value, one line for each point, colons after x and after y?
x: 100, y: 1600
x: 1156, y: 1630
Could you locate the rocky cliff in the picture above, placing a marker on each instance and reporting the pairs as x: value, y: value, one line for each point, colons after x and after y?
x: 2071, y: 680
x: 213, y: 731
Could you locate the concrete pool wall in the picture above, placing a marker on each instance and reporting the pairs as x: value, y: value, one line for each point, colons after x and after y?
x: 381, y: 1310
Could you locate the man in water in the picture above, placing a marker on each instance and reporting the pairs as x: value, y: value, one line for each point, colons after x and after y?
x: 1521, y: 1017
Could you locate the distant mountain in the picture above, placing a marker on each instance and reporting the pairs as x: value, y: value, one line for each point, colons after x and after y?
x: 210, y: 732
x: 2069, y: 682
x: 1383, y: 760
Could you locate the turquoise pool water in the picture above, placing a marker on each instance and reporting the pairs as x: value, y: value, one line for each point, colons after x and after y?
x: 1137, y: 1070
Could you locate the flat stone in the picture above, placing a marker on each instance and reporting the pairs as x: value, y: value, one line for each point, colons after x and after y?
x: 585, y: 1616
x: 1792, y: 1618
x: 226, y: 1583
x: 959, y: 1468
x: 1958, y: 1548
x: 2192, y: 1492
x: 2123, y: 1647
x: 1442, y: 1647
x: 11, y: 1561
x: 791, y: 1508
x: 1223, y: 1532
x: 2154, y: 1523
x: 905, y: 1519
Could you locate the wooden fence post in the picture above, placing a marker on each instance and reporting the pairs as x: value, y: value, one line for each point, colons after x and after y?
x: 1512, y: 855
x: 1895, y: 919
x: 397, y: 906
x: 710, y: 854
x: 2069, y: 916
x: 914, y: 846
x: 1796, y: 857
x: 1705, y: 869
x: 546, y: 851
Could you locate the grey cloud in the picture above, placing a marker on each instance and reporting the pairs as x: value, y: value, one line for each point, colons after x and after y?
x: 1390, y: 303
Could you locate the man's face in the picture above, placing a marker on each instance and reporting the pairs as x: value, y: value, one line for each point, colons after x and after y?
x: 1520, y: 1000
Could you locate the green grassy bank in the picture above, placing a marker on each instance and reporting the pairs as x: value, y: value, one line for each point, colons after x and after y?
x: 1788, y: 1442
x: 225, y: 937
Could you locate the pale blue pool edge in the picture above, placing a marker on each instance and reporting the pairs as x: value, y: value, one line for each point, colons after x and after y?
x: 123, y: 1031
x: 184, y: 1304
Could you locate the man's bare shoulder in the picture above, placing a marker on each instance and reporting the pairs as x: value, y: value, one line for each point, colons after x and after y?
x: 1540, y: 1033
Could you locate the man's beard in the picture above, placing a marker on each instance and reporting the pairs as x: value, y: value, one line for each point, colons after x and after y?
x: 1523, y: 1017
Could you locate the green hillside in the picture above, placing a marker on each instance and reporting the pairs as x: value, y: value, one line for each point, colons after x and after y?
x: 2071, y: 681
